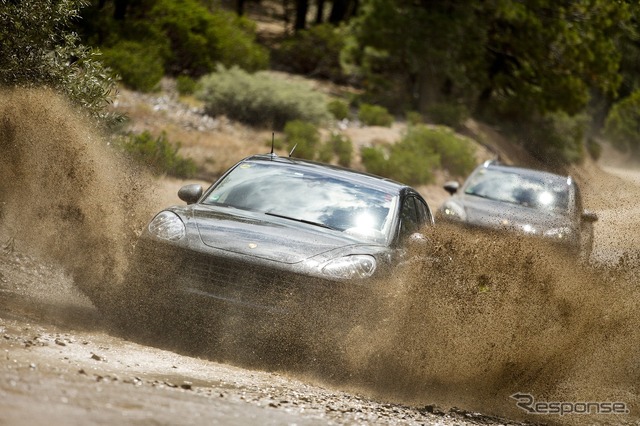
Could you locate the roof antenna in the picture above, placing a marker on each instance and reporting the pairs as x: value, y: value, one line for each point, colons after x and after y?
x: 273, y: 136
x: 292, y: 149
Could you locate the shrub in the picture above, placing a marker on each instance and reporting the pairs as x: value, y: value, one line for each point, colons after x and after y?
x: 325, y: 152
x: 260, y: 99
x: 186, y: 85
x: 623, y: 122
x: 401, y: 162
x: 457, y: 155
x: 276, y: 143
x: 422, y: 150
x: 374, y: 160
x: 448, y: 114
x: 160, y: 155
x: 342, y: 147
x: 339, y: 109
x: 304, y: 137
x: 374, y: 115
x: 140, y: 67
x: 314, y: 52
x: 413, y: 165
x: 414, y: 117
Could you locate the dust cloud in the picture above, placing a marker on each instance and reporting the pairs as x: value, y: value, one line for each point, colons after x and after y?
x: 498, y: 316
x: 479, y: 320
x: 65, y: 194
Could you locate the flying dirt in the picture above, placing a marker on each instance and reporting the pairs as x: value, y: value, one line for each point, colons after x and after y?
x: 480, y: 320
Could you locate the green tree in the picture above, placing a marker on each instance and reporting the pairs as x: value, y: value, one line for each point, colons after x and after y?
x: 38, y: 48
x: 314, y: 52
x: 547, y: 55
x: 509, y: 60
x: 409, y: 55
x: 514, y: 57
x: 187, y: 37
x: 200, y: 39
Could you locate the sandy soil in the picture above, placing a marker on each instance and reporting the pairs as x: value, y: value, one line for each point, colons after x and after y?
x: 484, y: 320
x: 62, y: 364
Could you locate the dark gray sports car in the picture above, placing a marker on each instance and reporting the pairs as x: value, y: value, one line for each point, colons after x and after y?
x: 274, y: 234
x: 522, y: 201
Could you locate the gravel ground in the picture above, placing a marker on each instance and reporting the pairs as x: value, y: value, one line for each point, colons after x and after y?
x: 60, y: 364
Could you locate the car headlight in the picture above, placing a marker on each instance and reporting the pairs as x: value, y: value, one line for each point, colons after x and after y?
x: 559, y: 233
x: 348, y: 267
x: 453, y: 211
x: 167, y: 226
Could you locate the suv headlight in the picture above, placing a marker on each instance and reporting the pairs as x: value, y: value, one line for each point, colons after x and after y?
x: 453, y: 211
x: 167, y: 226
x: 348, y: 267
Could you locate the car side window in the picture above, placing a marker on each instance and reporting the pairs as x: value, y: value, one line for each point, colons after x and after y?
x: 424, y: 214
x: 409, y: 218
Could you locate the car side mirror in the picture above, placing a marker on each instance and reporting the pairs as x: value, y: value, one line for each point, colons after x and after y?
x: 451, y: 187
x: 588, y: 216
x: 190, y: 194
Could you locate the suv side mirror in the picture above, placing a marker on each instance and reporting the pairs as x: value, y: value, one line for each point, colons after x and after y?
x: 451, y: 187
x: 190, y: 194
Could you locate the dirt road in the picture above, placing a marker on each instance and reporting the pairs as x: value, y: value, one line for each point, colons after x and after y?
x: 498, y: 318
x: 61, y: 364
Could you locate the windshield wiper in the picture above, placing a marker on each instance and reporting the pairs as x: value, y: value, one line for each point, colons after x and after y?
x: 308, y: 222
x: 477, y: 195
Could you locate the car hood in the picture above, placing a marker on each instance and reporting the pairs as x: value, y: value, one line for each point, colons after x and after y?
x: 268, y: 237
x: 493, y: 214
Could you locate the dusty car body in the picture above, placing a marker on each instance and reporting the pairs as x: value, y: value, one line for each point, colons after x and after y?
x: 275, y: 234
x: 522, y: 201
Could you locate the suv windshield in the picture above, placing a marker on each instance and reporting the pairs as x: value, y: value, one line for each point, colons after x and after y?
x: 530, y: 191
x: 309, y: 196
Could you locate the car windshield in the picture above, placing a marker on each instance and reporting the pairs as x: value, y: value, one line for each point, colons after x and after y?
x: 306, y: 195
x: 530, y: 191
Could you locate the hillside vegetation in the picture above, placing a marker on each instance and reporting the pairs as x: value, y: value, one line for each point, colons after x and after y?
x: 555, y: 76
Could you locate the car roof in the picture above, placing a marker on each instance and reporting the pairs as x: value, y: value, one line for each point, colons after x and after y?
x: 331, y: 170
x: 541, y: 174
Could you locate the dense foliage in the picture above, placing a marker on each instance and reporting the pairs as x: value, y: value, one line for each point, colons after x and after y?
x: 551, y: 72
x: 39, y: 48
x: 314, y: 52
x: 138, y: 66
x: 507, y: 61
x: 183, y: 37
